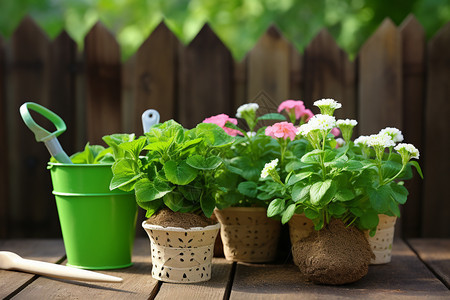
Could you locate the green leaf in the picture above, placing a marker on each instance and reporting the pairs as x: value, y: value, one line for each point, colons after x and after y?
x: 147, y: 190
x: 151, y: 206
x: 394, y: 208
x: 272, y: 116
x: 369, y: 220
x: 179, y: 172
x: 190, y: 192
x: 379, y: 198
x: 311, y: 213
x: 398, y: 192
x: 276, y: 207
x: 344, y: 194
x: 337, y: 209
x: 353, y: 165
x: 300, y: 193
x: 248, y: 188
x: 134, y: 147
x: 417, y: 166
x: 213, y: 135
x: 312, y: 157
x: 298, y: 177
x: 296, y: 165
x: 204, y: 163
x: 390, y: 168
x: 318, y: 190
x: 288, y: 213
x: 207, y: 204
x: 125, y: 171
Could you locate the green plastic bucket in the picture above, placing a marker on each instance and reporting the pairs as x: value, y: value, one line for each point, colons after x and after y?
x: 98, y: 225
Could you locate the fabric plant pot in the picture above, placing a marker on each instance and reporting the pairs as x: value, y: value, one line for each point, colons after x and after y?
x: 98, y: 225
x: 381, y: 242
x: 248, y: 235
x: 181, y: 255
x: 299, y: 227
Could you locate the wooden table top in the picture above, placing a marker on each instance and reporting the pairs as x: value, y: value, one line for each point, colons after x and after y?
x: 420, y: 268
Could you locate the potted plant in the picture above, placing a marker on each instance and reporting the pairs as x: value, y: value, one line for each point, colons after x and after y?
x: 342, y: 190
x: 98, y: 225
x: 247, y: 233
x: 175, y: 181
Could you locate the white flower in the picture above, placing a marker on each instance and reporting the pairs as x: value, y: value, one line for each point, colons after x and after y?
x: 321, y: 122
x: 249, y: 107
x: 380, y: 140
x: 251, y: 133
x: 394, y: 133
x: 269, y: 167
x: 328, y: 102
x: 340, y: 142
x: 362, y: 140
x: 413, y: 151
x: 304, y: 129
x: 347, y: 122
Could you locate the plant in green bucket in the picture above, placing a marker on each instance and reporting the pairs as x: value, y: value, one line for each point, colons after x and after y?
x: 98, y: 225
x: 174, y: 174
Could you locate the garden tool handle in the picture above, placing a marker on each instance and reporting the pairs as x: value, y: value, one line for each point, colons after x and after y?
x: 41, y: 134
x: 150, y: 117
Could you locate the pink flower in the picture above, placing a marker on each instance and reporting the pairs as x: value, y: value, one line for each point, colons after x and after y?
x: 307, y: 114
x: 221, y: 120
x: 282, y: 130
x: 335, y: 131
x: 293, y: 106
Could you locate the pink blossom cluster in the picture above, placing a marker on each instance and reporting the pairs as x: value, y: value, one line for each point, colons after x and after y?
x: 221, y: 120
x: 282, y: 130
x: 297, y: 107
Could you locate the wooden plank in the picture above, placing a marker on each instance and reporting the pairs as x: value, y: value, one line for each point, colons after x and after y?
x: 296, y: 76
x: 103, y: 84
x: 205, y: 79
x: 329, y: 74
x: 413, y: 54
x: 43, y: 250
x: 30, y: 199
x: 436, y: 254
x: 155, y: 76
x: 4, y: 216
x: 380, y: 81
x: 436, y: 209
x: 405, y: 277
x: 269, y: 67
x: 128, y: 96
x: 240, y: 84
x: 215, y: 288
x: 137, y: 282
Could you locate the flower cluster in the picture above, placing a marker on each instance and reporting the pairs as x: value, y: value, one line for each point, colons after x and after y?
x: 327, y: 106
x: 282, y: 130
x: 222, y: 120
x: 296, y: 110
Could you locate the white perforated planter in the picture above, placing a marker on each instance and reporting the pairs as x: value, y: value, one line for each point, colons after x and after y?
x: 248, y: 235
x: 381, y: 242
x: 299, y: 227
x: 181, y: 255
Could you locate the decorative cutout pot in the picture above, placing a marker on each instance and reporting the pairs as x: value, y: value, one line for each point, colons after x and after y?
x: 381, y: 242
x: 300, y: 227
x: 248, y: 235
x: 181, y: 255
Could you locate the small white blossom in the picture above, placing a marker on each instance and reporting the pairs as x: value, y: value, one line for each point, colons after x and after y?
x: 304, y: 129
x: 269, y: 167
x: 413, y: 151
x: 380, y: 140
x: 362, y: 140
x: 347, y: 122
x: 328, y: 102
x: 322, y: 122
x: 340, y: 142
x: 394, y: 133
x: 251, y: 133
x: 250, y: 107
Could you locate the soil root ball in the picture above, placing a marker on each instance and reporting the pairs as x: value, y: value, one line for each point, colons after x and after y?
x: 334, y: 255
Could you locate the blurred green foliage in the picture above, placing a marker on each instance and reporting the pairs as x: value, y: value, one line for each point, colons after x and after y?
x: 238, y: 23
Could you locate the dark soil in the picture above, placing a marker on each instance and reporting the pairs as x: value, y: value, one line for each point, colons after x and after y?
x: 167, y: 218
x: 334, y: 255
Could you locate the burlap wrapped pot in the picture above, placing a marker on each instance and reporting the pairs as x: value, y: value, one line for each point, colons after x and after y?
x: 248, y: 235
x: 299, y: 227
x: 381, y: 242
x: 181, y: 255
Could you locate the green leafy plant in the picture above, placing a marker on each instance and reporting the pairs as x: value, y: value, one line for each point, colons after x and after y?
x: 353, y: 182
x: 179, y: 170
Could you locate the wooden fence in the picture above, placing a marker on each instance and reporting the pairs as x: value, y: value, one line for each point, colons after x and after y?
x: 398, y: 79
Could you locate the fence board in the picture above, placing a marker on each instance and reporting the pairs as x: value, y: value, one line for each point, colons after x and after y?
x: 31, y: 201
x: 128, y: 96
x: 413, y: 53
x: 269, y: 67
x: 436, y: 208
x: 3, y: 147
x: 296, y: 84
x: 380, y: 80
x: 205, y: 79
x: 240, y: 83
x: 103, y: 84
x: 329, y: 74
x: 155, y: 75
